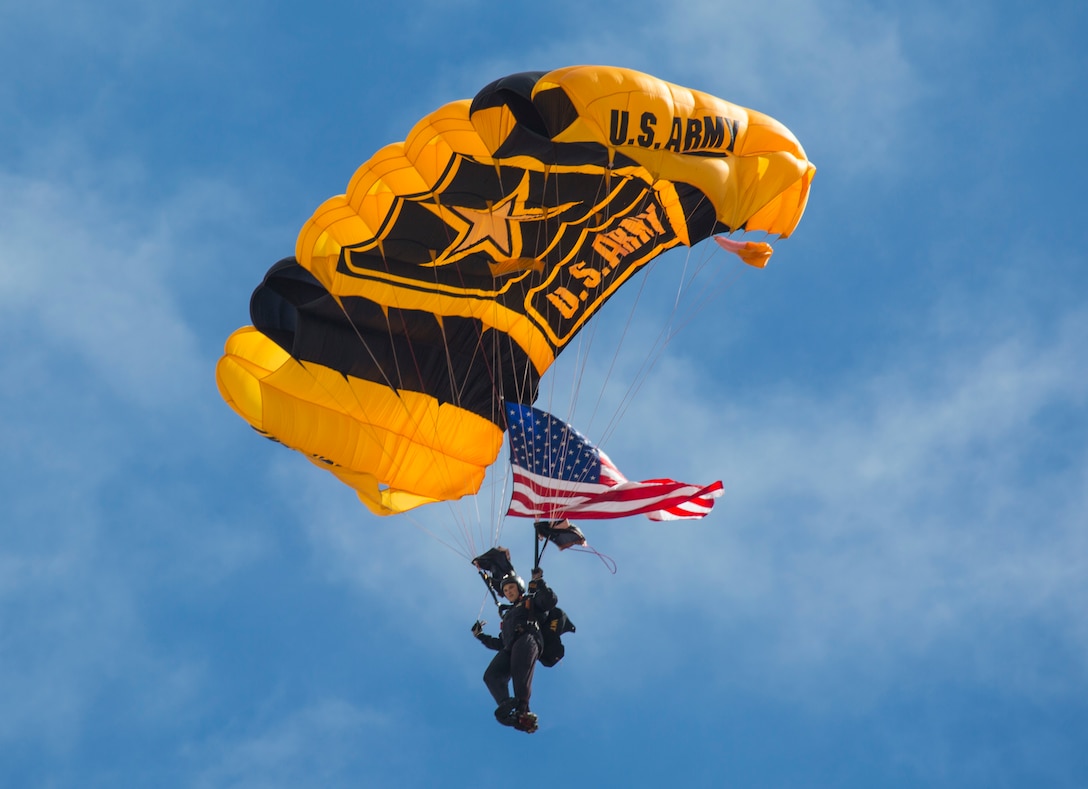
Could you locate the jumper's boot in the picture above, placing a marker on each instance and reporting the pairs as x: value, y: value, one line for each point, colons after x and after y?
x: 507, y: 712
x: 524, y: 720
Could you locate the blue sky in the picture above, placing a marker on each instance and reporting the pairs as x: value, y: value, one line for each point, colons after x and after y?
x: 892, y: 591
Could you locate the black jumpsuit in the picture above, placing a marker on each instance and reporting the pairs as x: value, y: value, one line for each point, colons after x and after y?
x: 518, y: 645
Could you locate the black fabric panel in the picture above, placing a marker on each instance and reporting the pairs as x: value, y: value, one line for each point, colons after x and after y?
x: 699, y: 213
x: 406, y: 349
x: 515, y: 92
x: 556, y: 110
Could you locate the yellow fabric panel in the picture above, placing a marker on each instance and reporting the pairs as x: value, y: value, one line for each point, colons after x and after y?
x: 785, y: 210
x: 334, y: 220
x: 388, y: 170
x: 379, y: 500
x: 493, y: 125
x: 433, y: 141
x: 325, y: 251
x: 763, y: 186
x: 361, y: 431
x: 449, y: 123
x: 248, y: 358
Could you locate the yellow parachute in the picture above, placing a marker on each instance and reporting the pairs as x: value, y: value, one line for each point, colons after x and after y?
x: 460, y: 262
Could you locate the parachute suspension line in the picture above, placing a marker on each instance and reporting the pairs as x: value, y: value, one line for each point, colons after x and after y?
x: 466, y: 554
x: 706, y: 298
x: 549, y: 394
x: 657, y: 348
x: 469, y: 536
x: 503, y: 344
x: 483, y: 602
x: 707, y: 295
x: 649, y: 359
x: 617, y: 348
x: 466, y: 536
x: 471, y: 523
x: 465, y: 539
x: 618, y: 412
x: 480, y: 613
x: 589, y: 330
x: 680, y: 316
x: 473, y: 537
x: 362, y: 341
x: 369, y: 429
x: 669, y: 331
x: 586, y: 336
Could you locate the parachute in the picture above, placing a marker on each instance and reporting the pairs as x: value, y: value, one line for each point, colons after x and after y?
x: 460, y: 262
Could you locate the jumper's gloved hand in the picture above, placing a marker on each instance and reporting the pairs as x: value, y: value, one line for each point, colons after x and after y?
x: 478, y: 628
x: 537, y: 573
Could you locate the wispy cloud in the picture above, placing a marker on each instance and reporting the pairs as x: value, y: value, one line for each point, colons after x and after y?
x: 911, y: 509
x: 86, y: 281
x: 915, y: 513
x: 316, y: 745
x: 104, y: 386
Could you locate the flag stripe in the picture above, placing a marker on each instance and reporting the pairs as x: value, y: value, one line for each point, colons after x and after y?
x: 559, y: 473
x: 537, y: 496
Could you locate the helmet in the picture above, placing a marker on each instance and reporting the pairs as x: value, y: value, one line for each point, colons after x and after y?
x: 512, y: 578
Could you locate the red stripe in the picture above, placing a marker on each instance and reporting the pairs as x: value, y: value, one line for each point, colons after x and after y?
x: 531, y: 497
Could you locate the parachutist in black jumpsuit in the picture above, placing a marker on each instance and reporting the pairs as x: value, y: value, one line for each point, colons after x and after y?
x: 518, y: 646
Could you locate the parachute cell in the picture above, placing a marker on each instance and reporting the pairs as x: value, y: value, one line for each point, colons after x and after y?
x: 459, y: 263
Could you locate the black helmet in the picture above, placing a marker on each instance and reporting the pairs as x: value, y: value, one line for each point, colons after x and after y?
x: 512, y: 578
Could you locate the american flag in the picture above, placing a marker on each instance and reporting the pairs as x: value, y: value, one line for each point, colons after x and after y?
x: 558, y: 473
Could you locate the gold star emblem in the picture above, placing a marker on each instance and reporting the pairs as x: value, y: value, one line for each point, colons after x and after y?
x: 496, y: 228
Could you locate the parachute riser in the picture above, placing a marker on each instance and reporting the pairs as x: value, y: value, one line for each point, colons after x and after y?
x: 539, y: 546
x: 490, y: 588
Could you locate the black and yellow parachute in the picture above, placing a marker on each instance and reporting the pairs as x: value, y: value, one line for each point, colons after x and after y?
x: 460, y: 262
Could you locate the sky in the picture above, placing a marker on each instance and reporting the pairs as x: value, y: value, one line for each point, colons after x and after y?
x: 891, y: 592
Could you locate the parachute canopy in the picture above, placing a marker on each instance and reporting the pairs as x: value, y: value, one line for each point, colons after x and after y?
x: 461, y: 261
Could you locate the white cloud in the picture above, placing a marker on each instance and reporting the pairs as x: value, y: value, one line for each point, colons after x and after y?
x: 75, y: 646
x: 317, y: 745
x: 93, y: 284
x: 105, y: 392
x: 912, y: 513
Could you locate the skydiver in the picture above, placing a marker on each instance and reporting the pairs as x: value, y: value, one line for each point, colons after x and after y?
x: 518, y: 645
